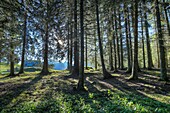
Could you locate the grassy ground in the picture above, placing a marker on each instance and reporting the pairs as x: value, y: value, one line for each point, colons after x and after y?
x: 32, y: 93
x: 4, y: 69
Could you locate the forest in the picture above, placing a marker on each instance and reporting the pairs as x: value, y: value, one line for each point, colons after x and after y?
x: 84, y: 56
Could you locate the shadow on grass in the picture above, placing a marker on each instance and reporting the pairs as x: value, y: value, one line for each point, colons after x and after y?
x: 13, y: 91
x: 119, y: 95
x: 133, y: 93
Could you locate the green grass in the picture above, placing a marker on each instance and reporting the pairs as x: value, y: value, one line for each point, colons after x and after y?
x: 4, y: 68
x: 32, y: 93
x: 156, y: 72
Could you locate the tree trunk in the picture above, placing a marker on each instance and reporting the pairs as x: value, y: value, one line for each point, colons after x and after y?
x: 114, y: 41
x: 117, y: 40
x: 167, y: 19
x: 129, y: 68
x: 68, y: 49
x: 115, y: 59
x: 45, y: 64
x: 149, y: 54
x: 23, y: 46
x: 121, y: 42
x: 105, y: 73
x: 81, y: 75
x: 134, y: 74
x: 95, y: 50
x: 143, y: 45
x: 161, y: 45
x: 86, y: 53
x: 157, y: 45
x: 110, y: 47
x: 143, y: 38
x: 129, y: 32
x: 71, y: 47
x: 111, y: 56
x: 11, y: 59
x: 76, y: 52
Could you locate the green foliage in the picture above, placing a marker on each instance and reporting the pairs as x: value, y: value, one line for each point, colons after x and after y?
x: 32, y: 93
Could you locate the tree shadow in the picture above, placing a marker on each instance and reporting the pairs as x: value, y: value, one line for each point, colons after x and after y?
x: 13, y: 91
x: 97, y: 97
x: 121, y: 85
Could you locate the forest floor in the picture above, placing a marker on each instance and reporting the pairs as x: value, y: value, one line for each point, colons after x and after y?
x: 31, y: 92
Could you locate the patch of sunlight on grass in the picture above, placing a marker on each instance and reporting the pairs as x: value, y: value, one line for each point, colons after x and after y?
x: 116, y: 74
x: 154, y: 72
x: 158, y: 97
x: 20, y: 78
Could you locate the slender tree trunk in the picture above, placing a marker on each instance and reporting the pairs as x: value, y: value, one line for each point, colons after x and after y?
x: 117, y: 40
x: 23, y: 46
x: 68, y: 49
x: 121, y: 41
x: 76, y: 53
x: 158, y: 54
x: 157, y: 45
x: 111, y: 56
x: 110, y: 47
x: 149, y: 54
x: 71, y: 47
x: 105, y: 73
x: 143, y: 38
x: 129, y: 68
x: 167, y: 19
x: 81, y: 75
x: 86, y: 53
x: 161, y: 44
x: 143, y: 45
x: 133, y: 25
x: 129, y: 32
x: 95, y: 50
x: 114, y: 41
x: 134, y: 74
x: 11, y: 59
x: 45, y: 64
x: 115, y: 58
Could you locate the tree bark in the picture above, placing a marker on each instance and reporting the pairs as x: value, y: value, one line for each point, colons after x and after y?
x: 129, y: 32
x: 157, y: 45
x: 167, y: 19
x: 11, y: 59
x: 149, y: 54
x: 86, y: 53
x: 129, y: 68
x: 76, y: 52
x: 161, y: 45
x: 134, y: 74
x: 45, y: 64
x: 81, y: 75
x: 71, y: 48
x: 68, y: 49
x: 117, y: 40
x: 110, y: 47
x: 23, y: 46
x: 95, y: 50
x: 121, y: 42
x: 114, y: 41
x: 105, y: 73
x: 143, y: 38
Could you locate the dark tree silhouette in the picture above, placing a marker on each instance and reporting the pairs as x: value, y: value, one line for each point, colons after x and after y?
x: 105, y: 73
